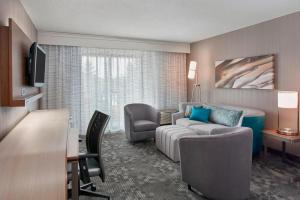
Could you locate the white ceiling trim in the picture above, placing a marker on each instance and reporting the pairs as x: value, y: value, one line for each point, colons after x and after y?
x: 71, y: 39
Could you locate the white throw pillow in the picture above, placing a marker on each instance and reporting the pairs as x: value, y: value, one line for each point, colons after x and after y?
x: 188, y: 110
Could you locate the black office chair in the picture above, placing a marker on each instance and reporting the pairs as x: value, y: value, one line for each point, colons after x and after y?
x: 91, y: 163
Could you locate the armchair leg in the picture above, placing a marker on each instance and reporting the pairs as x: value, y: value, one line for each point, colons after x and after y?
x: 196, y: 192
x: 93, y: 194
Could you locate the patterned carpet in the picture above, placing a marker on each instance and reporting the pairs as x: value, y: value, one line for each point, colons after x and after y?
x: 140, y: 171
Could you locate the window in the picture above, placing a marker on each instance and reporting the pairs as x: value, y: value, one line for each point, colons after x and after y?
x: 86, y: 79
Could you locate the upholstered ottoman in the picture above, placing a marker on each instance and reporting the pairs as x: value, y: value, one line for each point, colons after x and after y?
x: 167, y: 139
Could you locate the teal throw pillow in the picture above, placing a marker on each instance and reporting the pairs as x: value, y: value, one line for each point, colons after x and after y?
x: 224, y: 116
x: 188, y: 110
x: 200, y: 114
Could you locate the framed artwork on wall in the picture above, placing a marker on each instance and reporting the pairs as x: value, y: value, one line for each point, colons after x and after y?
x: 250, y: 73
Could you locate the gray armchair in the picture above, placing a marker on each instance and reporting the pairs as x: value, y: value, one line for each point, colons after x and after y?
x: 218, y: 166
x: 141, y: 121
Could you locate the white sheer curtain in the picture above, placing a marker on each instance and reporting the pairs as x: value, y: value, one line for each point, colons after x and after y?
x: 85, y: 79
x: 62, y: 78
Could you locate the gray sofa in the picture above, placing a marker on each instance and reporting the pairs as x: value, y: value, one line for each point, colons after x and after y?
x: 167, y: 137
x: 252, y: 118
x: 141, y: 121
x: 219, y: 166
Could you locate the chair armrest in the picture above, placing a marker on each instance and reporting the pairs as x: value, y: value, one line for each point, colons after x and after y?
x: 176, y: 116
x: 88, y: 155
x: 128, y: 123
x: 83, y: 166
x: 154, y: 115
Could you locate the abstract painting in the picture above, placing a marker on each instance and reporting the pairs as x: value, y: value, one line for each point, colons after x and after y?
x: 251, y: 73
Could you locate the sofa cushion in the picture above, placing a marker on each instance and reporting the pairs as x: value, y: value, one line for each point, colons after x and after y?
x: 224, y: 116
x: 167, y: 139
x: 224, y: 130
x: 187, y: 122
x: 208, y: 129
x: 200, y: 114
x: 247, y: 112
x: 144, y: 125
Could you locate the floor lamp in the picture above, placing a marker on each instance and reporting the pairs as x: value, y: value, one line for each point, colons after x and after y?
x: 288, y: 100
x: 193, y: 75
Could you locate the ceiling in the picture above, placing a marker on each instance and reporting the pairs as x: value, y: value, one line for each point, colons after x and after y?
x: 166, y: 20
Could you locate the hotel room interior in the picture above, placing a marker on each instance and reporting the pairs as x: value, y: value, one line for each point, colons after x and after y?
x: 154, y: 100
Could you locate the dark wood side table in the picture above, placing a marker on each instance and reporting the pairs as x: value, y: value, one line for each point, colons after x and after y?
x: 284, y: 139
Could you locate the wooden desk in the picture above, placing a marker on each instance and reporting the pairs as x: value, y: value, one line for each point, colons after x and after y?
x: 73, y: 158
x: 33, y: 157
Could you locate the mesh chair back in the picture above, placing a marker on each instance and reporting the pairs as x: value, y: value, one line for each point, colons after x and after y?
x: 94, y: 135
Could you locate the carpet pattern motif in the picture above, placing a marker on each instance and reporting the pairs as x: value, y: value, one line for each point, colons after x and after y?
x: 140, y: 171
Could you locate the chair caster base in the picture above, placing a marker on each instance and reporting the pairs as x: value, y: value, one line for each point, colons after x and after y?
x: 93, y: 194
x: 93, y: 188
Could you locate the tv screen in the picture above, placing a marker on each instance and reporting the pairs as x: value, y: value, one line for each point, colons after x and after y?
x: 37, y: 61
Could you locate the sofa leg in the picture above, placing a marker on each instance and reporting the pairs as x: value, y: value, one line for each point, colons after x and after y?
x: 196, y: 192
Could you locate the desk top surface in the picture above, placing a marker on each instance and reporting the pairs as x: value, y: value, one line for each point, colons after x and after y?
x: 33, y: 157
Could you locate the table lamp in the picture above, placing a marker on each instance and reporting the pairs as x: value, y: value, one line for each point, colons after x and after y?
x: 193, y: 75
x: 288, y: 100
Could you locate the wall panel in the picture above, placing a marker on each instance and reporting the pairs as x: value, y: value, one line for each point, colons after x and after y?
x: 9, y: 117
x: 280, y: 36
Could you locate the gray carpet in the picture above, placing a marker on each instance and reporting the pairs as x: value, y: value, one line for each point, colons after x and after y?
x: 140, y: 171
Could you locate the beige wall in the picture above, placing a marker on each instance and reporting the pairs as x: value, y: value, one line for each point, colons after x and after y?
x: 14, y: 9
x: 280, y: 36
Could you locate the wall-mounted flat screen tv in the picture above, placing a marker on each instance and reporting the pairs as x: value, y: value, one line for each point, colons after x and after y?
x: 36, y: 65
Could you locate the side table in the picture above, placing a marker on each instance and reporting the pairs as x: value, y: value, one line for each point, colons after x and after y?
x: 166, y: 116
x: 284, y: 139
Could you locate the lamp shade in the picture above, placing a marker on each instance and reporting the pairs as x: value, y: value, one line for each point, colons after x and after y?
x: 192, y: 70
x: 287, y: 99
